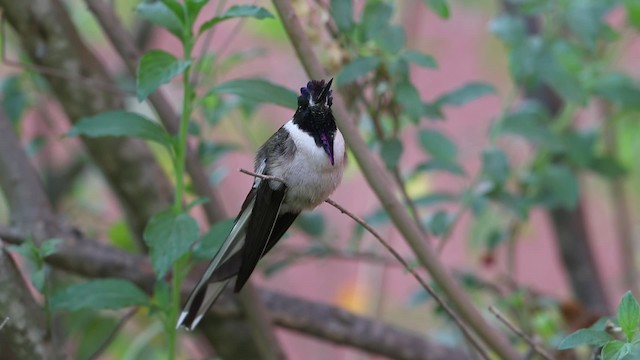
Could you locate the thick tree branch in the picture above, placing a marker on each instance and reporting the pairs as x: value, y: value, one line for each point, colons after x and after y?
x: 382, y: 185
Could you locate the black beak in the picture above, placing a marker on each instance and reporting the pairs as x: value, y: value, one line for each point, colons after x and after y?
x: 323, y: 96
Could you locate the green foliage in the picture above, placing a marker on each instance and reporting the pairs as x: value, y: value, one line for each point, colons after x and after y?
x: 169, y: 237
x: 156, y: 68
x: 159, y: 13
x: 357, y: 68
x: 99, y: 295
x: 236, y: 11
x: 628, y: 318
x: 258, y: 90
x: 35, y: 256
x: 312, y: 224
x: 420, y: 59
x: 437, y: 145
x: 121, y: 123
x: 467, y: 93
x: 14, y: 100
x: 391, y: 151
x: 440, y: 7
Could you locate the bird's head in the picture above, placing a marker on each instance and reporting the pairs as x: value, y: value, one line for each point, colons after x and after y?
x: 314, y: 116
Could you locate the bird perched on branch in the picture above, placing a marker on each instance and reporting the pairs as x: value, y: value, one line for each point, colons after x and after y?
x: 308, y: 154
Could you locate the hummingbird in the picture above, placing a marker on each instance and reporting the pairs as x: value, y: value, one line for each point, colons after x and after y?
x: 308, y: 154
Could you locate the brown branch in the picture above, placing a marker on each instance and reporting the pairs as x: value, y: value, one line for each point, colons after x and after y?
x: 382, y: 185
x: 534, y: 344
x: 410, y: 269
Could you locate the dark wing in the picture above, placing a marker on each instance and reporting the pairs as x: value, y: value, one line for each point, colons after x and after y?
x: 261, y: 224
x: 232, y: 265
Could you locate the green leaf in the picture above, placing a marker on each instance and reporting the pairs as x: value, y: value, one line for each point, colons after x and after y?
x: 607, y: 166
x: 258, y: 90
x: 311, y: 223
x: 530, y: 121
x: 194, y: 7
x: 632, y: 8
x: 420, y: 59
x: 357, y: 68
x: 99, y: 294
x: 618, y: 89
x: 213, y: 239
x: 435, y: 199
x: 155, y: 69
x: 585, y: 337
x: 342, y: 13
x: 558, y: 187
x: 495, y: 165
x: 510, y: 29
x: 616, y: 350
x: 120, y: 123
x: 49, y: 247
x: 629, y: 315
x: 236, y: 11
x: 391, y: 39
x: 466, y: 93
x: 375, y: 18
x: 440, y: 7
x: 441, y: 165
x: 14, y: 98
x: 440, y: 222
x: 437, y: 145
x: 391, y: 151
x: 408, y: 97
x: 169, y: 237
x: 158, y: 13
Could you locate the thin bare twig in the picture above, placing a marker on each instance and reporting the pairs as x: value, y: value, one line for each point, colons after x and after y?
x: 4, y: 322
x: 112, y: 335
x: 411, y: 270
x: 534, y: 344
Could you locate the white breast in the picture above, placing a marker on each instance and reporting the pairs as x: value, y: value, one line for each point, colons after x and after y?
x: 310, y: 177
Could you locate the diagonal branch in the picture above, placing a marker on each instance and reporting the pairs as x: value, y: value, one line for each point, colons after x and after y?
x: 382, y: 185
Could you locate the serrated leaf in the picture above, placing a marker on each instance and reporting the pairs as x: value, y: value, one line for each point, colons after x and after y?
x: 357, y: 68
x: 156, y: 68
x: 467, y: 93
x: 236, y: 11
x: 160, y: 14
x: 585, y: 337
x: 440, y: 7
x: 629, y: 315
x: 120, y: 123
x: 615, y: 350
x: 420, y: 59
x: 437, y: 145
x: 99, y: 294
x: 312, y: 224
x: 342, y: 13
x: 213, y: 239
x: 408, y: 97
x: 258, y: 90
x: 391, y: 151
x: 169, y: 236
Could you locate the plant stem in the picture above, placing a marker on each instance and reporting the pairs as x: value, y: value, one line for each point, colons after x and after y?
x: 179, y: 163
